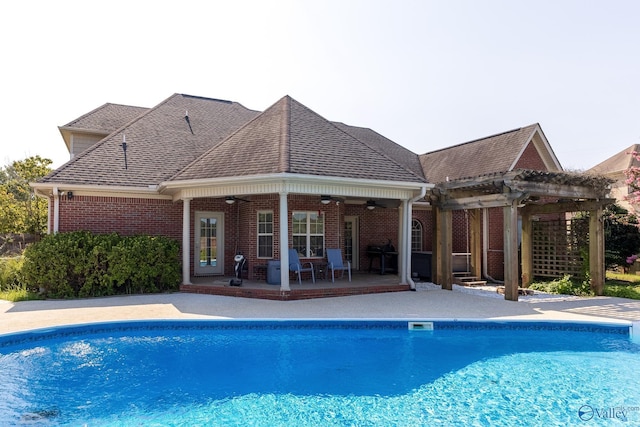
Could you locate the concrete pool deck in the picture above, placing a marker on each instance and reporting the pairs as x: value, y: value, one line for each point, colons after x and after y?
x: 428, y: 302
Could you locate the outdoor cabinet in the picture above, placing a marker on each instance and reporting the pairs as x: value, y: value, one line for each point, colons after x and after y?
x: 421, y: 265
x: 273, y: 272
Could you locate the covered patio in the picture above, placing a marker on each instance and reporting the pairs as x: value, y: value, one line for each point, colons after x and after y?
x: 360, y: 284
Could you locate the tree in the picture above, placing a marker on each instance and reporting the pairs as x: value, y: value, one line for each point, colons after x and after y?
x: 633, y: 180
x: 622, y: 236
x: 23, y: 211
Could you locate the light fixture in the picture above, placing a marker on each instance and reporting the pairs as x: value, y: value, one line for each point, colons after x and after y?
x: 230, y: 200
x: 371, y: 204
x: 325, y: 200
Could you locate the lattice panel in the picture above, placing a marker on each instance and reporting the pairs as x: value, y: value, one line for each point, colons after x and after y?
x: 557, y: 248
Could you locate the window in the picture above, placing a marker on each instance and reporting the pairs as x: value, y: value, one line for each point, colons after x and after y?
x: 416, y: 236
x: 308, y: 234
x: 265, y: 234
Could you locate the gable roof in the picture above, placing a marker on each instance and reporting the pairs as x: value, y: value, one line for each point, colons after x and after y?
x: 496, y: 153
x: 102, y: 121
x: 290, y: 138
x: 617, y: 163
x: 160, y: 142
x: 106, y: 118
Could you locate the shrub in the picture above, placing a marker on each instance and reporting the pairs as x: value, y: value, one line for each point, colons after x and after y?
x: 81, y: 264
x: 10, y: 272
x: 622, y: 291
x: 564, y: 286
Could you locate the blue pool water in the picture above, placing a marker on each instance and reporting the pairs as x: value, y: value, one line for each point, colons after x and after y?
x: 320, y: 373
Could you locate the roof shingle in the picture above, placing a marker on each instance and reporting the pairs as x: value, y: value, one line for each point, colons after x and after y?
x: 496, y: 153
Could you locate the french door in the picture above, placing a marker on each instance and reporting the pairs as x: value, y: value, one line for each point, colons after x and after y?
x: 209, y: 243
x: 351, y: 241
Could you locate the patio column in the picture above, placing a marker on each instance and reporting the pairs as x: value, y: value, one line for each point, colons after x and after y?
x: 186, y: 241
x: 404, y: 245
x: 284, y: 243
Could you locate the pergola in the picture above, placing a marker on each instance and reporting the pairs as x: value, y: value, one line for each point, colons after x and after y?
x: 524, y: 193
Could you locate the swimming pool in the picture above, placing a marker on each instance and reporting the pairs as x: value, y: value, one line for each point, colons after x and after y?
x: 365, y: 373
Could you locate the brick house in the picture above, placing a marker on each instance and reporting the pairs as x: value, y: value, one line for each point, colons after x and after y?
x: 218, y: 176
x: 615, y: 167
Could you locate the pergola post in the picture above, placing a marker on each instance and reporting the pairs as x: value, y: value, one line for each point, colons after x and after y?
x: 476, y: 242
x: 444, y: 243
x: 596, y: 251
x: 510, y: 214
x: 526, y: 250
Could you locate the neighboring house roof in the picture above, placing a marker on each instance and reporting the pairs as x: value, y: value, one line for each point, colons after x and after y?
x: 290, y: 138
x: 618, y: 163
x: 160, y: 142
x: 496, y: 153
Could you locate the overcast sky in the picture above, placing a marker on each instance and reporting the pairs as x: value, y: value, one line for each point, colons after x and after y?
x: 426, y: 74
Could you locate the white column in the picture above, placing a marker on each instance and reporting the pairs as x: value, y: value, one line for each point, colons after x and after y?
x: 402, y: 239
x: 186, y: 241
x: 407, y: 246
x: 284, y: 243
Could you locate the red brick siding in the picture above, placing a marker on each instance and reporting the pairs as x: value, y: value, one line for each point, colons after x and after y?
x: 126, y: 216
x: 531, y: 159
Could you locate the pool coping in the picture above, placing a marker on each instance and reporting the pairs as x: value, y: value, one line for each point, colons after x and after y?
x: 416, y: 324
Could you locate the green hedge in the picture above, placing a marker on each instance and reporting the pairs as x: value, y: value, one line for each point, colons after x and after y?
x: 82, y: 264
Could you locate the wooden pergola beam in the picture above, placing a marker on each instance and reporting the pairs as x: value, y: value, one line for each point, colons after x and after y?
x: 570, y: 206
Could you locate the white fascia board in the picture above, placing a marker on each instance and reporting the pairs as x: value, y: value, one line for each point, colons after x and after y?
x: 150, y: 192
x: 290, y: 183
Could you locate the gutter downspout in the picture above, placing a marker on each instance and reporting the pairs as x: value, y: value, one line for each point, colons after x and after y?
x: 407, y: 235
x: 56, y: 210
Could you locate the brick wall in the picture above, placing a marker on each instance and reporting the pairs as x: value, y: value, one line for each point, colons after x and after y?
x: 126, y: 216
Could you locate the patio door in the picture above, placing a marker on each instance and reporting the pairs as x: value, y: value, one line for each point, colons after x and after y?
x: 351, y: 241
x: 209, y: 243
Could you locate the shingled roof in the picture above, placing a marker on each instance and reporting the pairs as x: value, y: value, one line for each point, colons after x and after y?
x: 290, y: 138
x: 496, y: 153
x: 107, y: 118
x: 160, y: 142
x: 618, y: 163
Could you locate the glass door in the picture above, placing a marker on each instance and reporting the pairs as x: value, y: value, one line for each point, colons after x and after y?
x: 209, y: 243
x: 351, y: 243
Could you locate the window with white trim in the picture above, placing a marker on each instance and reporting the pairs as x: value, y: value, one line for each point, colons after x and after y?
x: 416, y: 236
x: 308, y: 234
x: 265, y: 234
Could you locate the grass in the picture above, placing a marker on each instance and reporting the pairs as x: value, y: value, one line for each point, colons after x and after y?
x: 616, y: 285
x: 15, y: 293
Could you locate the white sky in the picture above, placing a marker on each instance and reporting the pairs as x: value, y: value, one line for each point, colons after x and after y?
x: 426, y: 74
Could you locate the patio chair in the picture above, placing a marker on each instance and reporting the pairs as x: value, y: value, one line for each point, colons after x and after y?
x: 334, y: 262
x: 297, y: 267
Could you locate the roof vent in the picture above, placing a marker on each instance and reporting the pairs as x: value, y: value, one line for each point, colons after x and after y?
x: 186, y: 117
